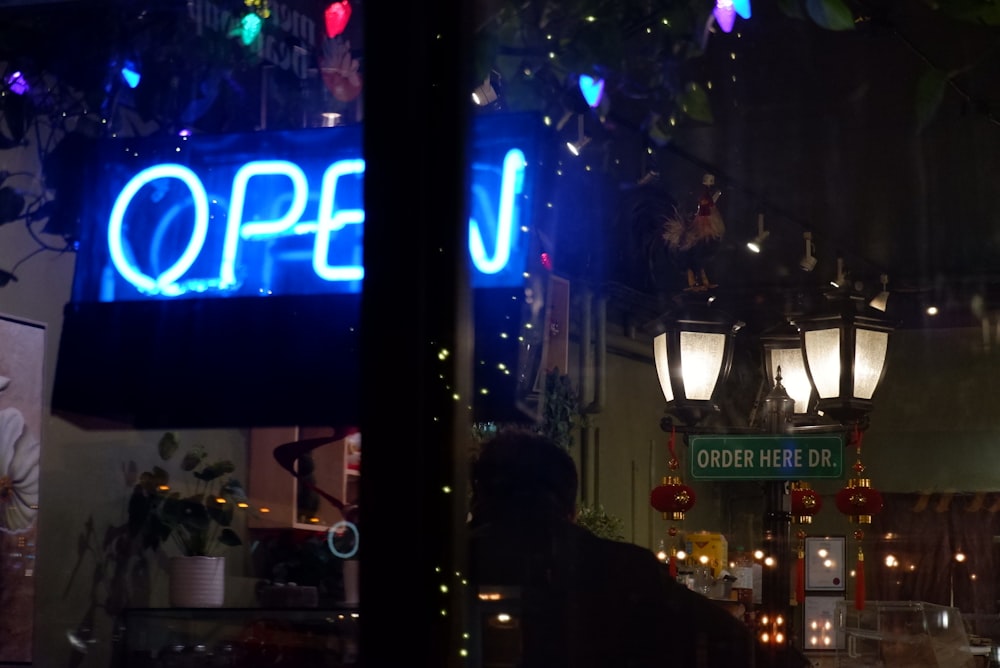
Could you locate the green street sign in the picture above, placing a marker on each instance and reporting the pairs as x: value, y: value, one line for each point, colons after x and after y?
x: 777, y: 457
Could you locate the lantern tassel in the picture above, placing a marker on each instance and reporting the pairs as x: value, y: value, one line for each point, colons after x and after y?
x: 800, y: 578
x: 859, y: 582
x: 672, y: 566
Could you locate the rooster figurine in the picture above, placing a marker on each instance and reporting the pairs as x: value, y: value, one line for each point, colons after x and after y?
x: 694, y: 240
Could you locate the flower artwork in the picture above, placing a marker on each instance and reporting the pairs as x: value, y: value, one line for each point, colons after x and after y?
x: 22, y: 360
x: 19, y: 451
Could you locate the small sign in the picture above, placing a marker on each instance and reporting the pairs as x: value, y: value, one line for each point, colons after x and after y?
x: 778, y: 457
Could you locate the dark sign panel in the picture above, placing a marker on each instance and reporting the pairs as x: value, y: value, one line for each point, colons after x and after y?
x: 219, y: 277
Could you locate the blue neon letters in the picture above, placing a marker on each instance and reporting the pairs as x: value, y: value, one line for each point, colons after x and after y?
x: 166, y: 212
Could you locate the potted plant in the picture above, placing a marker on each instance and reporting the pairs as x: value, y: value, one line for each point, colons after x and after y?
x: 196, y: 518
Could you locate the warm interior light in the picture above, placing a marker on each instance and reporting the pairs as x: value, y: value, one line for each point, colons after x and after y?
x: 808, y: 261
x: 793, y: 375
x: 575, y: 147
x: 881, y: 300
x: 701, y: 358
x: 757, y: 242
x: 870, y: 349
x: 823, y: 353
x: 484, y: 94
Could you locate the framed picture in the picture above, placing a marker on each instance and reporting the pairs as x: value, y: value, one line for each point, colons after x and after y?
x: 819, y: 631
x: 22, y: 353
x: 825, y: 563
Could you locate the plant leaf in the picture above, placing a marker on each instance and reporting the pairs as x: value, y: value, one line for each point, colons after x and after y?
x: 229, y: 537
x: 167, y: 446
x: 930, y: 92
x: 791, y: 9
x: 830, y: 14
x: 11, y: 205
x: 193, y: 457
x: 973, y: 11
x: 694, y: 102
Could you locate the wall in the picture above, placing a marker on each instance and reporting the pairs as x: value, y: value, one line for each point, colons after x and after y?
x: 82, y: 482
x: 932, y: 429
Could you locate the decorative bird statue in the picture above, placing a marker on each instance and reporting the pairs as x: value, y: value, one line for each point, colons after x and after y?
x: 693, y: 240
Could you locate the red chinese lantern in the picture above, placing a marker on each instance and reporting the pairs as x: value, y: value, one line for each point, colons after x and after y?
x: 336, y: 17
x: 673, y: 498
x: 859, y: 500
x: 806, y: 502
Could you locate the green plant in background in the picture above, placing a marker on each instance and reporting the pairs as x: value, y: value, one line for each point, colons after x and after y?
x: 562, y: 410
x: 198, y: 521
x: 600, y: 522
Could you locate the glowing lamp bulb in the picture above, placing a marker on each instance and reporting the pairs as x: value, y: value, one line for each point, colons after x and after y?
x: 250, y: 26
x: 592, y: 89
x: 725, y: 14
x: 18, y: 84
x: 131, y: 74
x: 336, y: 17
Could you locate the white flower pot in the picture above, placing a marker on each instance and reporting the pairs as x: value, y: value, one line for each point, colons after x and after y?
x: 197, y: 582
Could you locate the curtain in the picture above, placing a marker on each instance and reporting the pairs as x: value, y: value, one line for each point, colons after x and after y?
x: 913, y: 543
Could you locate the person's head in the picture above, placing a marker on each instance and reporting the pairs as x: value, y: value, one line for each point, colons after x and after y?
x: 519, y: 473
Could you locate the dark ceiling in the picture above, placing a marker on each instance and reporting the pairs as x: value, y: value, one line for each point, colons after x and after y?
x: 820, y: 131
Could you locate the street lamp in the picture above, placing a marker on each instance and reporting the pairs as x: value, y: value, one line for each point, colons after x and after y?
x: 845, y: 352
x: 783, y: 350
x: 693, y: 352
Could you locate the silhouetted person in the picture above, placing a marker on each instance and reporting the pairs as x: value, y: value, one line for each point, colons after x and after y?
x: 583, y: 601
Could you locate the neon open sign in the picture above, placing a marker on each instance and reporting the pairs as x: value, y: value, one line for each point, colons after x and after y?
x: 271, y: 214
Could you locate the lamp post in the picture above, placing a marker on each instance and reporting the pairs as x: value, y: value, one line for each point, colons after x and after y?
x: 693, y: 352
x: 833, y: 363
x: 845, y: 352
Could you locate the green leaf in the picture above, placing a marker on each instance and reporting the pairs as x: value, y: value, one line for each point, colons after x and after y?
x: 694, y: 103
x: 167, y: 446
x: 830, y: 14
x: 193, y: 457
x: 229, y: 537
x: 985, y: 12
x: 930, y: 92
x: 791, y: 9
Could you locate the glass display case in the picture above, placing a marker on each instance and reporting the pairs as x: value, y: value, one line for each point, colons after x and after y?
x: 907, y: 634
x: 243, y: 637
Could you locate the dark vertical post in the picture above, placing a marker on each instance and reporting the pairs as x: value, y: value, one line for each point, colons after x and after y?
x: 415, y: 329
x: 776, y: 585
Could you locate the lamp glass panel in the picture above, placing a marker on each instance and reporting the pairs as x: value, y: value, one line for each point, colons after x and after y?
x: 823, y: 355
x: 662, y: 366
x: 869, y: 358
x: 701, y: 359
x: 793, y: 375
